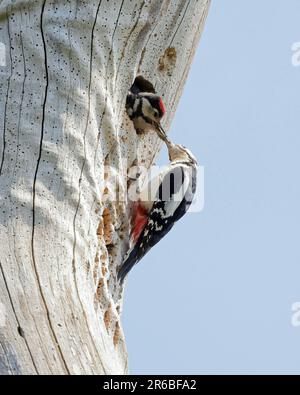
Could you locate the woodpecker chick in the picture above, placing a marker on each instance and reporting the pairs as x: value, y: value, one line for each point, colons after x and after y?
x: 141, y: 85
x: 154, y: 218
x: 145, y: 110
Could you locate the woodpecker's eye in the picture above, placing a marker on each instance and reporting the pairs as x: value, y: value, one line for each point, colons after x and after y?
x: 156, y: 113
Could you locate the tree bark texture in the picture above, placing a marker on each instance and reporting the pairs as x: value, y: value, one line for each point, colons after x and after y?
x: 66, y: 146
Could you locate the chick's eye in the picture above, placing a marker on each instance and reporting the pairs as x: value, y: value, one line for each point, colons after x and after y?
x: 156, y: 114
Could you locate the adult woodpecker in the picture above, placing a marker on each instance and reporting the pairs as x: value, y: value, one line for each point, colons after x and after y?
x: 144, y: 107
x: 153, y: 219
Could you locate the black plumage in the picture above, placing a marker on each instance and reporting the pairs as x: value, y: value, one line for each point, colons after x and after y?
x: 160, y: 220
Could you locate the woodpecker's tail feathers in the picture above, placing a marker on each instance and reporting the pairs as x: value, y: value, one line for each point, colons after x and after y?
x: 130, y: 260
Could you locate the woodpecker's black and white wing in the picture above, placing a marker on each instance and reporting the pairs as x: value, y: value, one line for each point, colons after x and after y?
x: 173, y: 199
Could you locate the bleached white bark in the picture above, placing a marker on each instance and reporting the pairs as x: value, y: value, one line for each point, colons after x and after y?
x: 64, y: 75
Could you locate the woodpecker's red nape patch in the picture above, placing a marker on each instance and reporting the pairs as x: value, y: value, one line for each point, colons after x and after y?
x: 140, y: 218
x: 162, y: 106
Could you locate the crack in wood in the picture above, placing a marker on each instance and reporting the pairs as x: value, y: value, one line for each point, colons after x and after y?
x: 16, y: 317
x: 127, y: 41
x: 57, y: 345
x: 80, y: 178
x: 8, y: 360
x: 7, y: 94
x: 180, y: 22
x: 106, y: 77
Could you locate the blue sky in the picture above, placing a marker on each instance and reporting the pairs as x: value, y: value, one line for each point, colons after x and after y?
x: 215, y: 295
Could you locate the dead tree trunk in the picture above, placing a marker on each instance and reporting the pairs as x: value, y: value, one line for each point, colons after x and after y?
x: 65, y: 69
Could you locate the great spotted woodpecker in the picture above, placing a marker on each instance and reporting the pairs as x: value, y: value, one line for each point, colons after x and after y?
x: 153, y: 219
x: 144, y: 107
